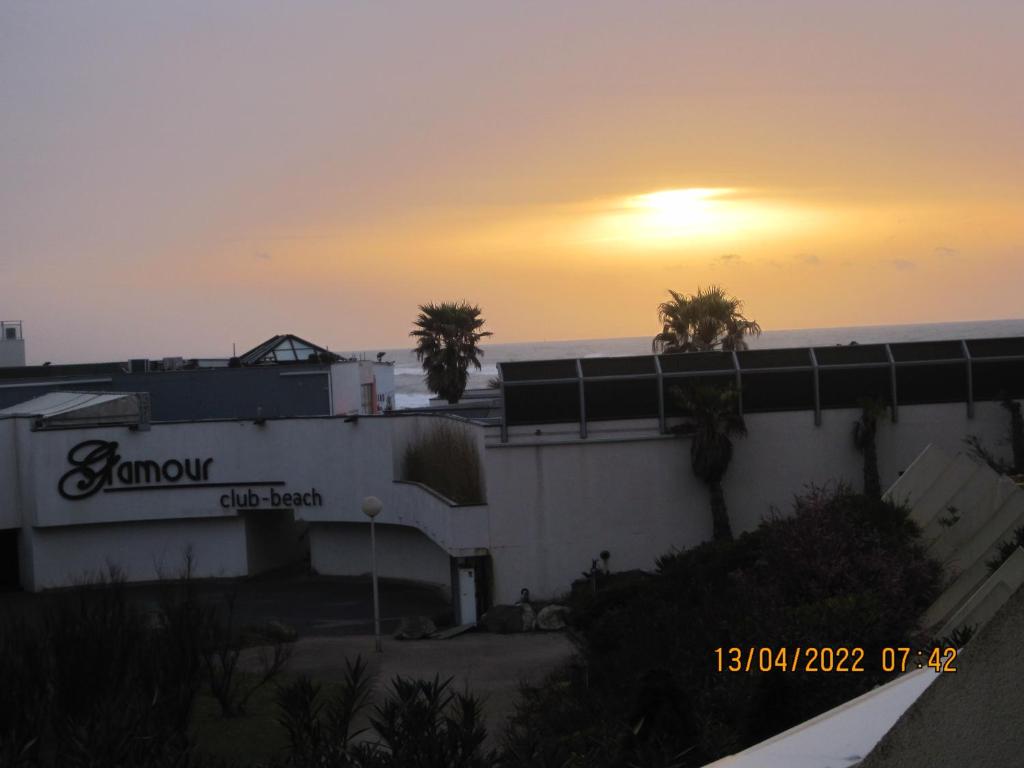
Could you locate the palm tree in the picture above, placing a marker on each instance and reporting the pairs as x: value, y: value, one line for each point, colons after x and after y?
x: 707, y: 320
x: 864, y: 431
x: 447, y: 335
x: 716, y: 418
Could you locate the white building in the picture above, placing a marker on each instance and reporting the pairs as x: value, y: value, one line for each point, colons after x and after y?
x: 12, y: 344
x: 246, y: 494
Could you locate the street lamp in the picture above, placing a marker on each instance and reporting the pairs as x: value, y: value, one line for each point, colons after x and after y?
x: 371, y: 508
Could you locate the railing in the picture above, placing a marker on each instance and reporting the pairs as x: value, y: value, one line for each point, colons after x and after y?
x: 892, y: 361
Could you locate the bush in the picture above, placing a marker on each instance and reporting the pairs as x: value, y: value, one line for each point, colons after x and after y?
x: 446, y: 460
x: 421, y: 724
x: 90, y: 681
x: 843, y: 570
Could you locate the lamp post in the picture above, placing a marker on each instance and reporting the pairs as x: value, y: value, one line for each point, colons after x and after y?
x: 371, y: 508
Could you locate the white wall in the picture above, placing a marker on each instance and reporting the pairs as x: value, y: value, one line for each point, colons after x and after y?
x: 345, y: 382
x: 12, y: 353
x: 143, y: 551
x: 384, y: 375
x: 556, y: 501
x: 343, y: 549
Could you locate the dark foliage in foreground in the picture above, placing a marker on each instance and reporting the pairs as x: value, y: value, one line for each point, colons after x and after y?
x: 92, y: 681
x: 844, y: 571
x: 420, y: 724
x: 89, y: 680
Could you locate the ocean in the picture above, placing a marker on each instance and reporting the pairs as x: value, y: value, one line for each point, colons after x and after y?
x: 410, y: 391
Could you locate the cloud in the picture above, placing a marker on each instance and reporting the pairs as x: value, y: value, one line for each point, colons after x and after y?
x: 903, y: 264
x: 946, y: 252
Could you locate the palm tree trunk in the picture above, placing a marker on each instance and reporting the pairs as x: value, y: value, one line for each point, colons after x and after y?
x: 872, y: 482
x: 1016, y: 435
x: 719, y: 515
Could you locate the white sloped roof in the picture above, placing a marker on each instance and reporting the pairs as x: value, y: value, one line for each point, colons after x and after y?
x: 59, y: 403
x: 841, y: 737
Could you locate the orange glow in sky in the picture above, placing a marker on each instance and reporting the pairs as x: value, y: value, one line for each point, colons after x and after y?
x: 178, y: 178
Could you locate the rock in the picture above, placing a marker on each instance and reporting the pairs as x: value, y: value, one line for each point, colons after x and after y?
x: 415, y: 628
x: 529, y: 617
x: 268, y: 632
x: 280, y: 632
x: 552, y: 617
x: 504, y: 619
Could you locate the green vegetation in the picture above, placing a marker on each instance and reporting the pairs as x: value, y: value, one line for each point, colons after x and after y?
x: 92, y: 681
x: 446, y: 459
x: 708, y: 320
x: 419, y: 724
x: 447, y: 338
x: 1006, y: 550
x: 1015, y: 438
x: 844, y: 570
x: 715, y: 417
x: 865, y: 433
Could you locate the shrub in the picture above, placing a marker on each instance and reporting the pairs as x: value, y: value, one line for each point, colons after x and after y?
x: 1006, y: 549
x: 221, y: 652
x: 90, y: 681
x: 446, y: 460
x: 843, y: 570
x: 420, y: 724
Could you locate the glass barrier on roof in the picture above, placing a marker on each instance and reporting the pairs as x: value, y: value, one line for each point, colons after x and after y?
x: 812, y: 379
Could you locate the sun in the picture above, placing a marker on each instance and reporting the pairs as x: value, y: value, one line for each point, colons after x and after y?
x: 697, y: 218
x: 667, y: 216
x: 678, y: 212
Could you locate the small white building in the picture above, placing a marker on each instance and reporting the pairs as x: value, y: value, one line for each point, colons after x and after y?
x: 12, y: 344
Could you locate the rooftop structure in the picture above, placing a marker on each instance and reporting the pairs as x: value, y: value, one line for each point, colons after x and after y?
x: 810, y: 379
x: 282, y: 377
x: 12, y: 344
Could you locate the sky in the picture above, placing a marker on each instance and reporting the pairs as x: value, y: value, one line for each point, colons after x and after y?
x: 178, y: 177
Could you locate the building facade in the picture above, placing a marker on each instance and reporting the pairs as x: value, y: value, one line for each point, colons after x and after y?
x: 244, y: 495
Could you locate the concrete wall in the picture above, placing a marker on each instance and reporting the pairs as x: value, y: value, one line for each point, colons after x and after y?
x: 142, y: 551
x: 556, y: 501
x: 12, y: 353
x: 345, y: 384
x: 343, y: 549
x: 384, y: 374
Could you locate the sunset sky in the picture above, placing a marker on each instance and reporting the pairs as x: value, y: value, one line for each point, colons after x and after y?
x: 175, y: 177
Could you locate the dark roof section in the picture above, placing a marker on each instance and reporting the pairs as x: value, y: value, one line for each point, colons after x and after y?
x: 697, y: 361
x: 768, y: 380
x: 774, y: 358
x: 48, y: 372
x: 852, y: 354
x: 287, y: 348
x: 538, y: 370
x: 617, y: 366
x: 996, y: 347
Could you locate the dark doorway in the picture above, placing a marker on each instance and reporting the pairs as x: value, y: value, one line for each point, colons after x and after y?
x: 10, y: 576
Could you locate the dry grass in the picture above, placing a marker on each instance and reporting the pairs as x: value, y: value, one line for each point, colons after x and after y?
x: 446, y: 460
